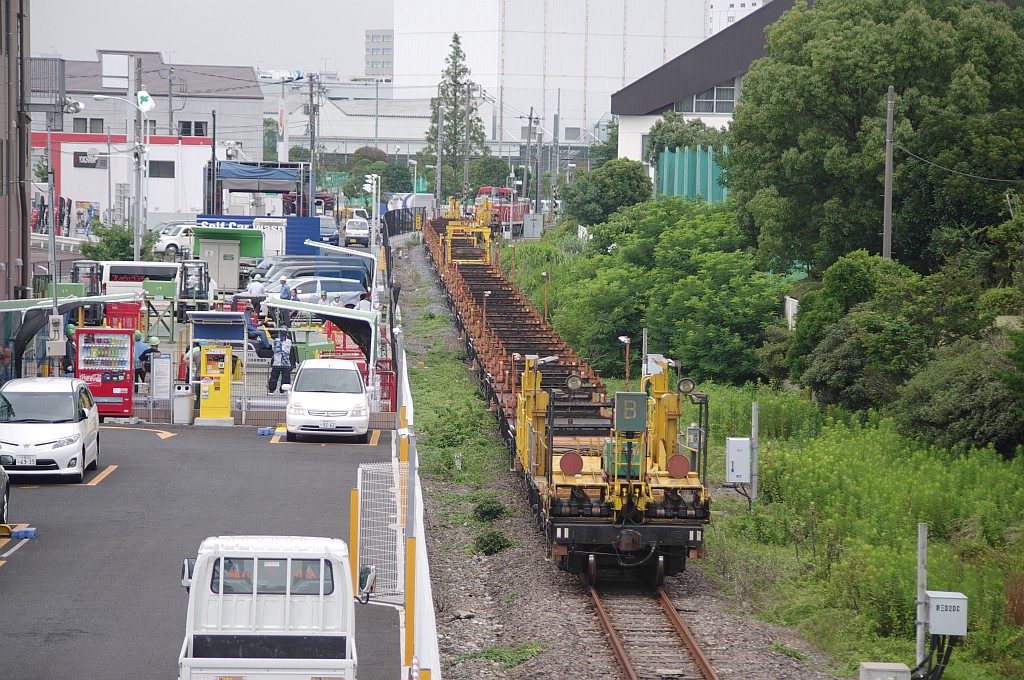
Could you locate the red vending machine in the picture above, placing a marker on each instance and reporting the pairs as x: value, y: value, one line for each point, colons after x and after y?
x: 106, y: 362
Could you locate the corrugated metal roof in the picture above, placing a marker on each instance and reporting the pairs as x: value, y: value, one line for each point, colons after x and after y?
x: 727, y: 54
x: 203, y: 81
x: 384, y: 108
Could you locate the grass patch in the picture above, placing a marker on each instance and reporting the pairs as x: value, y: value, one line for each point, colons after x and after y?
x: 492, y: 542
x: 508, y: 657
x: 788, y: 651
x: 511, y: 597
x: 489, y: 510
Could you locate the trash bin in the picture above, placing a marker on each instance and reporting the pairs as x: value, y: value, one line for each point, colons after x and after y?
x: 182, y: 407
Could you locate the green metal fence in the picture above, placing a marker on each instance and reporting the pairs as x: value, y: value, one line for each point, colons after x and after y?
x: 691, y: 173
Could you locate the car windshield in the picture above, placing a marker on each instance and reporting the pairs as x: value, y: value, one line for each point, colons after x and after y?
x: 357, y: 224
x: 36, y: 407
x: 333, y: 380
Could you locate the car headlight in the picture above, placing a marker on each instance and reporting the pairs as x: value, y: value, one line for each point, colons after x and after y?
x: 358, y: 410
x: 66, y: 441
x: 295, y: 408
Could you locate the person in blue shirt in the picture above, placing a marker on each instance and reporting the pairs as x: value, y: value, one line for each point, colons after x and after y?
x: 283, y: 316
x: 140, y: 347
x: 254, y: 331
x: 281, y: 364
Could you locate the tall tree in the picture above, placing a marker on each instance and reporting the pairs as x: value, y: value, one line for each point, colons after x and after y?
x: 269, y: 139
x: 673, y: 130
x: 807, y: 160
x: 452, y: 95
x: 593, y: 196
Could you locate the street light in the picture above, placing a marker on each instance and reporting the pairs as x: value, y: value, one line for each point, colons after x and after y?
x: 546, y: 277
x: 68, y: 106
x: 414, y: 165
x: 372, y: 187
x: 140, y: 149
x: 624, y: 339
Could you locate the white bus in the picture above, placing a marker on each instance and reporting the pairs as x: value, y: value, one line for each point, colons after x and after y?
x: 127, y: 277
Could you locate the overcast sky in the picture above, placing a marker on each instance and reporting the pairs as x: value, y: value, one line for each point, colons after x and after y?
x: 289, y: 34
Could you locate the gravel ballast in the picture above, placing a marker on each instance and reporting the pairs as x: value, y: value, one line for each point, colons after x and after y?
x: 517, y: 601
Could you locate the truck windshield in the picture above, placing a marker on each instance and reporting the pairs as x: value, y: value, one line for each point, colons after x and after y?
x: 273, y: 576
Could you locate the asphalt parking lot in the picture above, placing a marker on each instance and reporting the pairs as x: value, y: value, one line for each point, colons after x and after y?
x: 98, y: 595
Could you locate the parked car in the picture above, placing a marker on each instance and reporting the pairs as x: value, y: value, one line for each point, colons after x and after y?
x: 328, y: 397
x: 319, y: 270
x: 328, y: 230
x: 357, y: 230
x: 174, y: 239
x: 309, y: 288
x: 48, y: 426
x: 5, y: 498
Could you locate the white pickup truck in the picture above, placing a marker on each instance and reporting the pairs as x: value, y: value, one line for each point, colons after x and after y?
x: 272, y: 608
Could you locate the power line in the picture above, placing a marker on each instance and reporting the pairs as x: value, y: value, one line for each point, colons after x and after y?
x: 957, y: 172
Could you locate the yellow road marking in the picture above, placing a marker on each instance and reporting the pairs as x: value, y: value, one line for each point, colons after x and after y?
x: 5, y: 541
x: 163, y: 434
x: 27, y: 486
x: 2, y: 562
x: 101, y: 476
x: 375, y: 437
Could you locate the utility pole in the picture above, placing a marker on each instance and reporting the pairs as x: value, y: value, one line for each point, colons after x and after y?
x: 137, y: 219
x: 556, y: 160
x: 887, y: 200
x: 536, y: 175
x: 528, y: 166
x: 376, y: 113
x: 312, y: 152
x: 440, y: 155
x: 465, y: 153
x: 213, y: 164
x: 170, y: 102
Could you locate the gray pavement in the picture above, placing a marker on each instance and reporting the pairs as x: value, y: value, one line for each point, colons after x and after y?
x: 98, y: 595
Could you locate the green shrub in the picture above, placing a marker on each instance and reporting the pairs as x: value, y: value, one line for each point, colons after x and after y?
x: 492, y: 542
x: 489, y: 509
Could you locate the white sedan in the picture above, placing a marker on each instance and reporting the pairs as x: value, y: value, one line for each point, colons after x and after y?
x: 328, y: 397
x: 48, y: 427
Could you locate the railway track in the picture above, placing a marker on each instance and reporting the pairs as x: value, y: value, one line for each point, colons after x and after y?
x: 648, y: 637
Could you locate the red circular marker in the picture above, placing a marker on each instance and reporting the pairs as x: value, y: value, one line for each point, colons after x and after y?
x: 571, y: 464
x: 678, y: 466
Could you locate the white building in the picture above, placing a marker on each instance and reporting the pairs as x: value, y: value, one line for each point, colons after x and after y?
x: 555, y: 56
x: 189, y: 101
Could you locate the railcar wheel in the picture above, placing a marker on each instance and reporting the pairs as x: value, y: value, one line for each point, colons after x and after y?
x: 591, y: 570
x: 658, y: 571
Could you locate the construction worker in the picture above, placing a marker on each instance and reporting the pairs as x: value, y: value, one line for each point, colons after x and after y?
x: 336, y: 302
x: 140, y: 347
x: 281, y: 364
x: 67, y: 364
x: 255, y: 286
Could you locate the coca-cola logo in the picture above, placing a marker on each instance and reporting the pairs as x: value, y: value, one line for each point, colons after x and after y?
x: 90, y: 378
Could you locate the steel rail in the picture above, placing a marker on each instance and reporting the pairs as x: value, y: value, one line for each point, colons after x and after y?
x: 613, y: 637
x: 687, y: 637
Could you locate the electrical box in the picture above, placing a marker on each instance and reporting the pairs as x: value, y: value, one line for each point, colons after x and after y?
x: 883, y: 671
x: 947, y: 613
x: 737, y: 460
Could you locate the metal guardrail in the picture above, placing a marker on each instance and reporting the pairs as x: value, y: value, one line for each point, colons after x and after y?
x: 64, y: 244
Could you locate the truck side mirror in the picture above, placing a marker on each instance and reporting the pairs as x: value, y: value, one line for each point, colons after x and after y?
x: 188, y: 566
x: 367, y: 581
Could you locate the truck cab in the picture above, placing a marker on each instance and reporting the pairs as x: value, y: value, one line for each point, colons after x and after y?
x: 270, y: 607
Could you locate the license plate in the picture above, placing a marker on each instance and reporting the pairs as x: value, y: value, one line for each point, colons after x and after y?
x: 327, y: 424
x: 24, y: 460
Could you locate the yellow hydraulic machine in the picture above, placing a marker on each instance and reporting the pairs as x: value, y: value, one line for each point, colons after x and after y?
x: 215, y: 382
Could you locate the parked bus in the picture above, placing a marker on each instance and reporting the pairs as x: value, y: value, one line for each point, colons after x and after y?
x: 127, y: 277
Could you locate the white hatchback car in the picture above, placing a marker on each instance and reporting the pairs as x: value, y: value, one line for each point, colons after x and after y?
x: 328, y: 397
x: 48, y: 426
